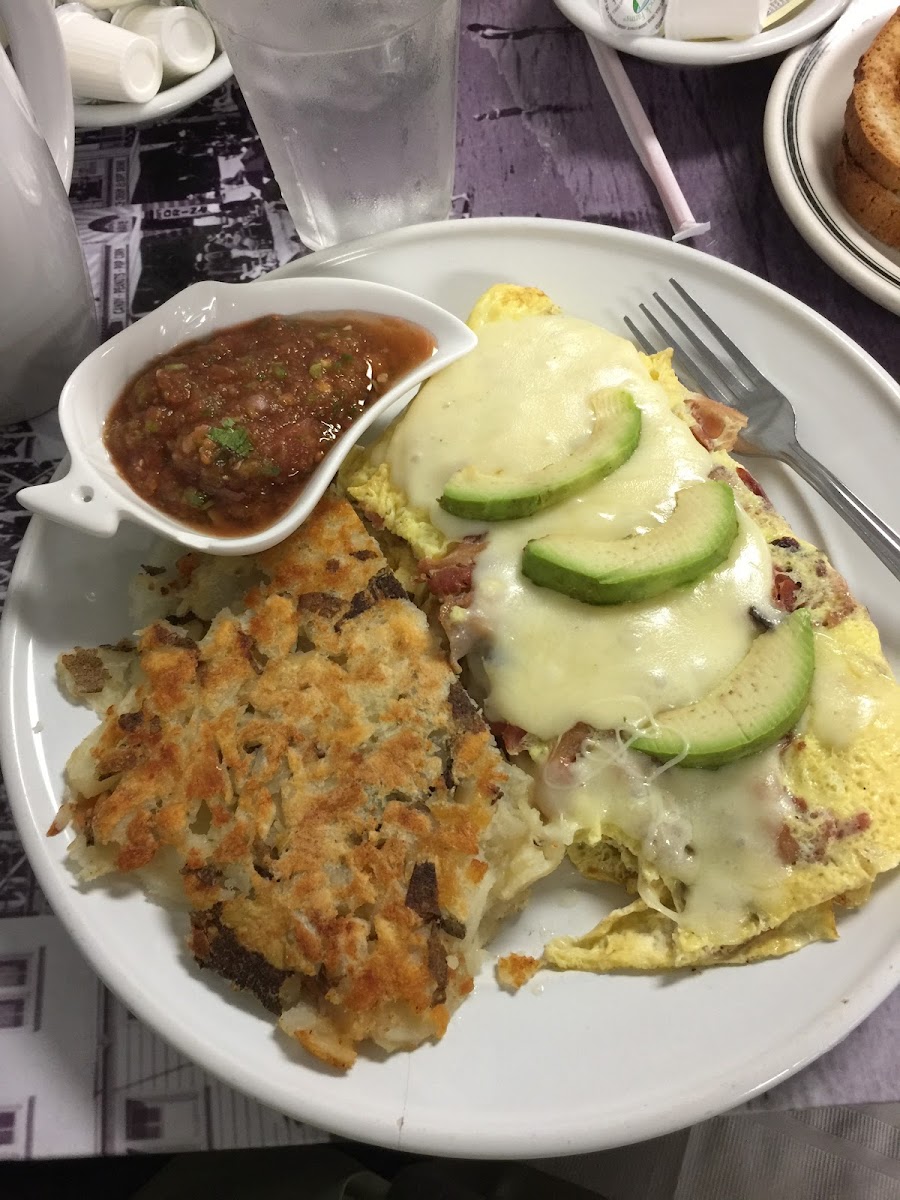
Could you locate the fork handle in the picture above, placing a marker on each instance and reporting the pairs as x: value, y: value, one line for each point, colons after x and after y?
x: 881, y: 539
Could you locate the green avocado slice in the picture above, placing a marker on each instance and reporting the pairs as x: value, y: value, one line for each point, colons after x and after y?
x: 697, y: 536
x: 501, y: 496
x: 758, y: 703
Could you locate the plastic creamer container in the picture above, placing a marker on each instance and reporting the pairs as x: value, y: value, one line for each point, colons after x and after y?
x: 634, y: 16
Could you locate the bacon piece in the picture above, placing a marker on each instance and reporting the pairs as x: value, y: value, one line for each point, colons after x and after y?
x: 715, y: 426
x: 784, y: 591
x: 557, y: 769
x: 451, y: 574
x: 567, y: 748
x: 809, y: 841
x: 748, y: 481
x: 454, y: 579
x: 788, y: 846
x: 373, y: 519
x: 450, y: 579
x: 510, y: 736
x: 858, y: 824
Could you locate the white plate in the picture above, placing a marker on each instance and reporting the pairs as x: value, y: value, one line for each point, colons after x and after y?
x: 166, y: 103
x: 574, y: 1062
x: 803, y: 128
x: 782, y: 36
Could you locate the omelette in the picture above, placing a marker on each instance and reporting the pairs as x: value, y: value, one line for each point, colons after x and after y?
x: 285, y: 752
x: 717, y: 730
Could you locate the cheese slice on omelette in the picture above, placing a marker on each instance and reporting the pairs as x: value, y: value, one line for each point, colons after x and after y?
x: 285, y: 743
x: 734, y: 864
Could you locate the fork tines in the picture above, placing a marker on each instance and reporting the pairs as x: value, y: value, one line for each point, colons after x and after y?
x: 694, y: 359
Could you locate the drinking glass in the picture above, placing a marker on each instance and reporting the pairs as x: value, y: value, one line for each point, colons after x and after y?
x: 355, y: 103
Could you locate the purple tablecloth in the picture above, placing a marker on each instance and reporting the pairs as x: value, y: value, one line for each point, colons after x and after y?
x: 193, y: 198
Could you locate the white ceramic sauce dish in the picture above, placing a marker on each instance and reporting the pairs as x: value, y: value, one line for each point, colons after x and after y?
x: 94, y: 497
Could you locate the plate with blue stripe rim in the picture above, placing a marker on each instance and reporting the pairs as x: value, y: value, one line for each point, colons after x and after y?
x: 803, y: 129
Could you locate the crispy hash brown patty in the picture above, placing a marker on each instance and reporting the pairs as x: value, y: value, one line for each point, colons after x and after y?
x: 343, y: 827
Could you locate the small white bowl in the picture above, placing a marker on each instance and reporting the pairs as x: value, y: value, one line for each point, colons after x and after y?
x: 800, y: 26
x: 165, y: 103
x: 94, y: 497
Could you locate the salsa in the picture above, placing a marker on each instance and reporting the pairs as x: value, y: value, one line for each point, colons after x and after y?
x: 223, y: 433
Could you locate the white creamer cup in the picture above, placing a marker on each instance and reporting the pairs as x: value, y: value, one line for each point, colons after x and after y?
x: 91, y: 7
x: 185, y: 38
x: 73, y: 6
x: 108, y: 5
x: 107, y: 63
x: 642, y: 19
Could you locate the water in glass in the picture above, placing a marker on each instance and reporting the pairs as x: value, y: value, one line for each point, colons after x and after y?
x: 355, y: 103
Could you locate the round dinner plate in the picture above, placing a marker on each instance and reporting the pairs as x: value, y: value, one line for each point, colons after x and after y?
x: 784, y: 35
x: 573, y: 1062
x: 803, y: 129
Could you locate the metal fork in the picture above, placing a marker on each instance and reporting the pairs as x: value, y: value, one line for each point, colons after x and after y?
x: 772, y: 427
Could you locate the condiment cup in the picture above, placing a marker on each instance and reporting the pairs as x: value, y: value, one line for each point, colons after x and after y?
x: 107, y: 63
x: 185, y: 38
x: 94, y: 497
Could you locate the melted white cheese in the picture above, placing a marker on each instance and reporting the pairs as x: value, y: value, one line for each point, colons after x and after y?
x: 714, y: 832
x: 520, y: 401
x: 844, y: 700
x: 555, y: 662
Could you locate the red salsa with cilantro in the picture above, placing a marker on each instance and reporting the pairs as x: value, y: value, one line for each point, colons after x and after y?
x: 223, y: 433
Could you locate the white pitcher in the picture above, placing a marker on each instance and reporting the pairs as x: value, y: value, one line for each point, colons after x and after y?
x: 47, y: 317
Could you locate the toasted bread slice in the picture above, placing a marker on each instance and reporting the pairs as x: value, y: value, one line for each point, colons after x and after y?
x: 872, y: 119
x: 875, y: 207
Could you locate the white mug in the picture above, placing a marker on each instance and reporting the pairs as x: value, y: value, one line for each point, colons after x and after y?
x: 48, y: 322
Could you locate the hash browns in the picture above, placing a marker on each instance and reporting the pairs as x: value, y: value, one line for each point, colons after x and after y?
x: 345, y: 830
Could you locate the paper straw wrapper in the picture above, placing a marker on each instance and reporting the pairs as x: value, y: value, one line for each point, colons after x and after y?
x: 642, y: 137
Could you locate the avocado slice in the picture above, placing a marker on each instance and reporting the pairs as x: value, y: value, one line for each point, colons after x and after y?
x: 697, y: 537
x: 502, y: 496
x: 758, y: 703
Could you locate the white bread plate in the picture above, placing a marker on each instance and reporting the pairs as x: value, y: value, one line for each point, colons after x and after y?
x: 95, y: 498
x: 803, y: 126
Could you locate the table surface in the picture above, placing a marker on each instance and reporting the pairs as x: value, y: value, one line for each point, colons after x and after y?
x: 193, y: 198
